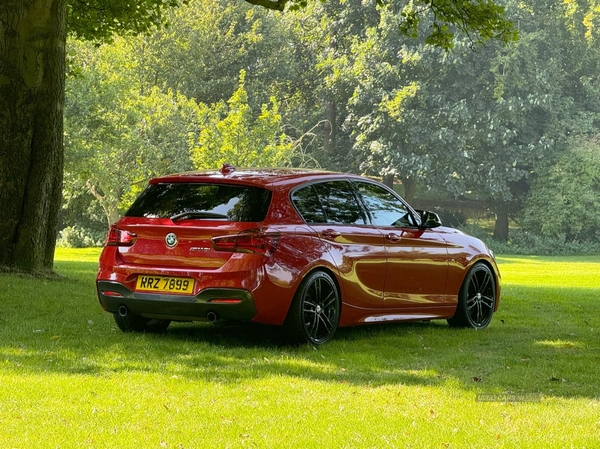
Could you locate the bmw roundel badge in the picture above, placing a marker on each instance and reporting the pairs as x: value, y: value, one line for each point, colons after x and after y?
x: 171, y: 240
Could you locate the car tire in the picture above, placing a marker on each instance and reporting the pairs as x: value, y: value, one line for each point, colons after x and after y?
x: 315, y: 310
x: 476, y: 299
x: 137, y: 323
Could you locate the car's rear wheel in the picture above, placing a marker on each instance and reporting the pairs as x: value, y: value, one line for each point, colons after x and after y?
x: 476, y: 299
x: 315, y: 311
x: 137, y: 323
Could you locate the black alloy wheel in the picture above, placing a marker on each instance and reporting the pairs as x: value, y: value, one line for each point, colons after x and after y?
x: 476, y: 299
x: 315, y: 311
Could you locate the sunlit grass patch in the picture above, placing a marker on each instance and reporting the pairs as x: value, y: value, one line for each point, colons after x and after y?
x: 562, y: 344
x: 77, y: 254
x: 562, y: 272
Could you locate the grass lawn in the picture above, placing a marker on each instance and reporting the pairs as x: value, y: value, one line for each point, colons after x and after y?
x: 70, y: 379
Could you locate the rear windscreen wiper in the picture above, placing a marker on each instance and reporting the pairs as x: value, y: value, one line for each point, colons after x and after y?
x: 198, y: 215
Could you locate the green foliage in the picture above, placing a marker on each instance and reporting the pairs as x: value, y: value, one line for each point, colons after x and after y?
x: 209, y: 42
x: 476, y: 123
x: 231, y: 134
x: 117, y: 135
x: 77, y: 237
x: 98, y: 20
x: 523, y: 242
x: 564, y: 202
x: 80, y: 210
x: 479, y: 20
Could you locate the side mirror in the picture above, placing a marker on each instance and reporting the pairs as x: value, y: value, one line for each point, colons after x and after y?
x: 429, y: 219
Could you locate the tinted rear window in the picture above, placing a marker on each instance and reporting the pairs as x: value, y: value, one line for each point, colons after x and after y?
x: 340, y: 203
x: 308, y: 204
x: 202, y: 201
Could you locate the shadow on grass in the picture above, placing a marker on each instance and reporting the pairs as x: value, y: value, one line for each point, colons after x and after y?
x: 538, y: 343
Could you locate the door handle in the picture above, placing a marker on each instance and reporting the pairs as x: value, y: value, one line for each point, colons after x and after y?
x: 393, y: 237
x: 330, y: 234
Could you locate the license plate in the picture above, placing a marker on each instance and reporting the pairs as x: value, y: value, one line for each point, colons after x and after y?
x: 163, y: 284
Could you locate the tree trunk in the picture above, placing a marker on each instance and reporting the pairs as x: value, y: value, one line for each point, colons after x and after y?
x: 388, y: 180
x: 32, y: 75
x: 330, y: 127
x: 109, y: 203
x: 501, y: 226
x: 409, y: 189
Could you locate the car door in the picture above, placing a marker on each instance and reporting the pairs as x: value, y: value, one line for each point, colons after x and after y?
x: 333, y: 211
x: 417, y: 258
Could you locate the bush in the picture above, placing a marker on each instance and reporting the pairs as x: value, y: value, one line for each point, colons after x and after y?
x: 452, y: 218
x: 564, y: 201
x: 525, y: 243
x: 78, y: 237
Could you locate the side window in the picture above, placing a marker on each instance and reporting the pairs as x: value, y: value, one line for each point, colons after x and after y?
x: 385, y: 208
x: 308, y: 205
x: 339, y: 203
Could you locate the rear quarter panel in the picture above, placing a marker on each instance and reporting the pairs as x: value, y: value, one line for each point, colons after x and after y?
x: 298, y: 252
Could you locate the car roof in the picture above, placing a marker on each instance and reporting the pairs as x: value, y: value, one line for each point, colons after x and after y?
x: 264, y: 177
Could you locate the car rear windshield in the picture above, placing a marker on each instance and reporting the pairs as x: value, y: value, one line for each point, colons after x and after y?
x: 181, y: 201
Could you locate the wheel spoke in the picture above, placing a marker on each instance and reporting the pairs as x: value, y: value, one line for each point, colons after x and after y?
x: 487, y: 301
x: 324, y: 327
x: 475, y: 283
x: 310, y: 304
x: 327, y: 302
x: 479, y: 313
x: 327, y: 322
x: 472, y: 302
x: 314, y: 326
x: 487, y: 281
x: 317, y: 285
x: 309, y: 314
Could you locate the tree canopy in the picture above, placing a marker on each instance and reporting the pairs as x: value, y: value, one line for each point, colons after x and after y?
x: 468, y: 124
x: 101, y: 19
x: 32, y: 89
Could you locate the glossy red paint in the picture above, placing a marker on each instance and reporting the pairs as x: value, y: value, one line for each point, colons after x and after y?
x: 254, y: 271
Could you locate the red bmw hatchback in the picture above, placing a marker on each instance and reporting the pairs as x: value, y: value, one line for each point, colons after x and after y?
x: 309, y: 250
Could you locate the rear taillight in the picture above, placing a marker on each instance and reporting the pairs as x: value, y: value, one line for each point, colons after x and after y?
x: 120, y: 237
x: 251, y: 241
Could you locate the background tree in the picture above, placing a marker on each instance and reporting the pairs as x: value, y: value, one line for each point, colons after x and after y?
x: 32, y: 75
x: 475, y: 123
x: 230, y: 134
x: 117, y: 134
x: 530, y: 98
x: 207, y: 44
x: 389, y: 113
x: 565, y: 198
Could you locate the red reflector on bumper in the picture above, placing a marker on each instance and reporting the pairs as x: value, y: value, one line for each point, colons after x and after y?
x: 225, y: 301
x: 113, y: 294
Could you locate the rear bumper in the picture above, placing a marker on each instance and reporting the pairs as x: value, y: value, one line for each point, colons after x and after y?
x: 226, y: 303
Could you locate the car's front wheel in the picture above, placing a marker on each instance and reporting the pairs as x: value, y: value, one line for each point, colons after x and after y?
x: 315, y: 311
x: 476, y: 299
x: 137, y: 323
